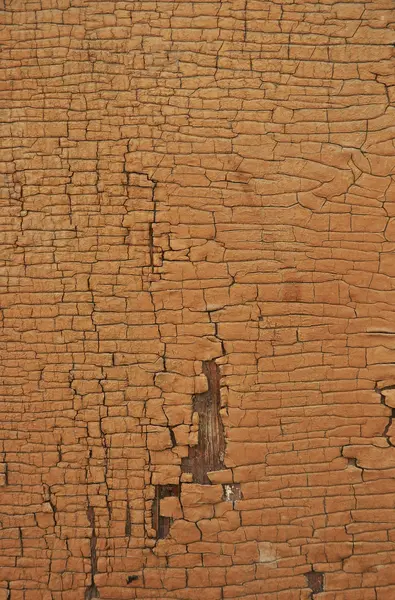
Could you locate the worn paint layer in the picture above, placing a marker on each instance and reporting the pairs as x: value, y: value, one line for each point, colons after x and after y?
x: 197, y: 229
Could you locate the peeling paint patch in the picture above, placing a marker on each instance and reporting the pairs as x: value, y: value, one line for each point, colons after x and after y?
x: 267, y: 553
x: 232, y: 492
x: 162, y: 523
x: 315, y: 581
x: 209, y: 453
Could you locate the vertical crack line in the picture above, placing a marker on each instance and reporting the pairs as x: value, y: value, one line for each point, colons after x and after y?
x: 128, y: 521
x: 245, y: 20
x: 388, y: 426
x: 152, y: 183
x: 92, y: 591
x: 153, y: 222
x: 172, y: 437
x: 20, y: 539
x: 52, y: 504
x: 209, y: 453
x: 5, y: 471
x: 381, y: 392
x: 106, y: 455
x: 155, y: 511
x: 151, y: 242
x: 105, y: 448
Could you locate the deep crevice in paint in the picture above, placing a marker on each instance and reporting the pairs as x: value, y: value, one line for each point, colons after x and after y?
x: 162, y: 524
x: 209, y: 453
x: 92, y: 591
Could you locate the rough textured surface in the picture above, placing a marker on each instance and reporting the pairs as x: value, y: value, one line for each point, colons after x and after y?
x: 182, y: 183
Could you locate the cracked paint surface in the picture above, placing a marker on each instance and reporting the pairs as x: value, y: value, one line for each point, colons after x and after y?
x: 197, y: 214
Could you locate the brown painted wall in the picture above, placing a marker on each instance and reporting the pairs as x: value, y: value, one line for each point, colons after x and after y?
x: 198, y: 276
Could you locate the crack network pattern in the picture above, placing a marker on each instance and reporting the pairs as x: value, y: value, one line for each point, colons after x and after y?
x: 197, y: 235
